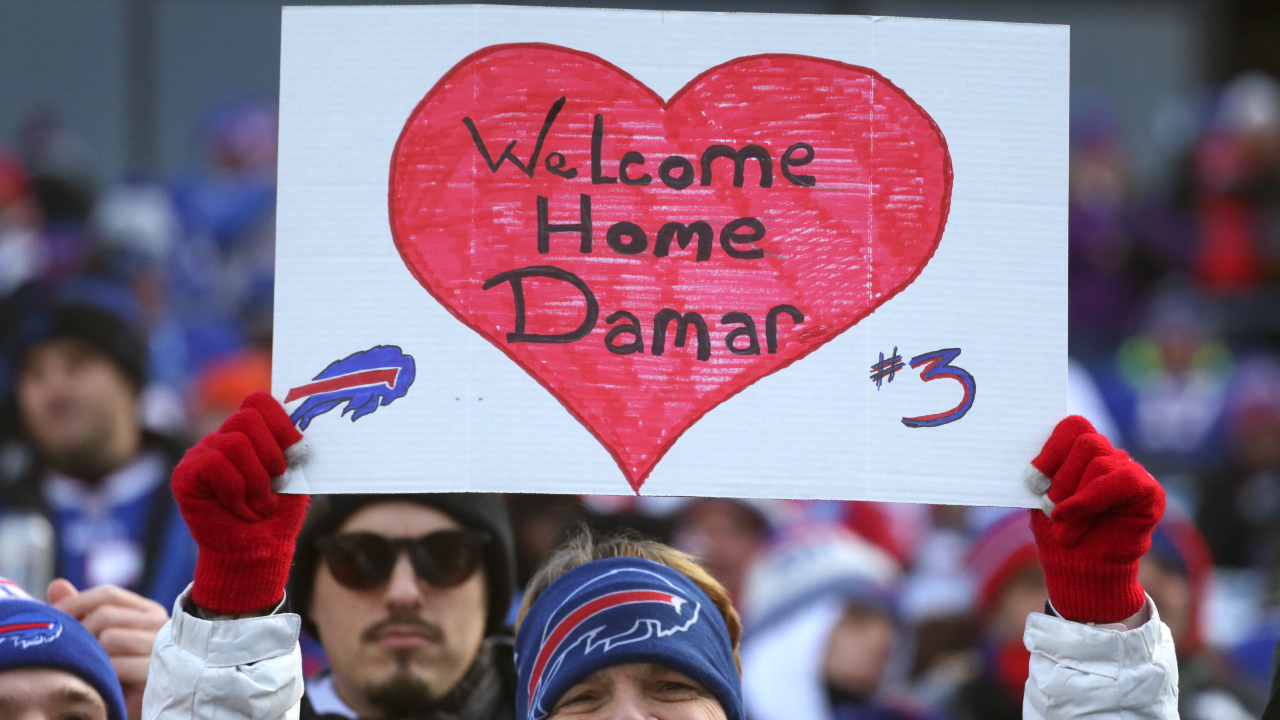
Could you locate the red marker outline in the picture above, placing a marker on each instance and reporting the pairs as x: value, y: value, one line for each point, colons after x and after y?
x: 636, y: 478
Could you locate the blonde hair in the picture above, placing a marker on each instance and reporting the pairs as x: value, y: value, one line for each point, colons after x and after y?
x: 584, y: 547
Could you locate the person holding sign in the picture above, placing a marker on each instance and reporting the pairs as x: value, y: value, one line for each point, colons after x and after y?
x: 626, y: 629
x: 1100, y: 636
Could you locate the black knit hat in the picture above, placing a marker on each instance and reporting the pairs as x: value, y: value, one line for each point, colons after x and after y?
x: 481, y: 511
x: 101, y: 328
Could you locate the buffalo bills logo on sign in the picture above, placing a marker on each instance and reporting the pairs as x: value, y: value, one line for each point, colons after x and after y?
x: 363, y: 380
x: 604, y: 623
x: 27, y: 629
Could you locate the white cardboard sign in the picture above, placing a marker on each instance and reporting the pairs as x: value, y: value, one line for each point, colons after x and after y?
x: 595, y: 251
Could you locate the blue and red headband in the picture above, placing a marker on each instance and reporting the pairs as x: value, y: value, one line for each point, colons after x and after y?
x: 618, y: 611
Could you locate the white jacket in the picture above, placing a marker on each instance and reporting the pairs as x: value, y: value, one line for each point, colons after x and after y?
x: 226, y: 670
x: 251, y: 669
x: 1080, y: 671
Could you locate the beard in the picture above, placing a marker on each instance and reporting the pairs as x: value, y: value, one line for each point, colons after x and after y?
x: 842, y: 696
x: 403, y: 694
x: 85, y: 455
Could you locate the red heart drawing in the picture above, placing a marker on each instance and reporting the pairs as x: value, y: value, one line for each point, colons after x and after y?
x: 823, y: 190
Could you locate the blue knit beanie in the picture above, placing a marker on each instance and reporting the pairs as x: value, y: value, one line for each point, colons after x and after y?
x: 36, y: 635
x: 617, y: 611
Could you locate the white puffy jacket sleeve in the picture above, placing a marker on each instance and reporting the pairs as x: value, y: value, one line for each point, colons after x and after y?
x: 247, y: 669
x: 1081, y: 671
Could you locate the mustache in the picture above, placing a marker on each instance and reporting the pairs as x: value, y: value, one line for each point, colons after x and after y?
x: 430, y: 630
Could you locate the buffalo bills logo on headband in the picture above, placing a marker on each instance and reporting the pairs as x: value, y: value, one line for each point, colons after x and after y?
x: 363, y: 380
x: 27, y: 629
x: 603, y: 623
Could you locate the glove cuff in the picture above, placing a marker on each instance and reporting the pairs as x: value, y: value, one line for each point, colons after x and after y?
x: 243, y: 581
x: 1092, y: 591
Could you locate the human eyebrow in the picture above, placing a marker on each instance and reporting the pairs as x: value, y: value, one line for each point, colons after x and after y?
x: 590, y: 682
x: 661, y: 673
x: 595, y: 677
x: 73, y: 696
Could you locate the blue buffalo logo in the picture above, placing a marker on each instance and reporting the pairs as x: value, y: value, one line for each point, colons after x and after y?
x: 27, y: 629
x: 605, y: 623
x: 363, y: 380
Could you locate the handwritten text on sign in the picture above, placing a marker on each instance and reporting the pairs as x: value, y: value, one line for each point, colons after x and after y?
x: 937, y: 365
x: 612, y: 244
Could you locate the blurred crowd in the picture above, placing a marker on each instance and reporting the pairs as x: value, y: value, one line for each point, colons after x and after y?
x: 135, y: 314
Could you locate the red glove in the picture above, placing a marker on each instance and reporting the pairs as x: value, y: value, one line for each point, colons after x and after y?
x: 245, y: 530
x: 1100, y: 508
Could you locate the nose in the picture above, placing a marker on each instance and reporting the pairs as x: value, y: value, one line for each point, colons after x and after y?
x: 402, y: 588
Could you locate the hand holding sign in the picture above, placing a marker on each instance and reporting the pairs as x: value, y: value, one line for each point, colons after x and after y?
x: 523, y: 158
x: 225, y: 488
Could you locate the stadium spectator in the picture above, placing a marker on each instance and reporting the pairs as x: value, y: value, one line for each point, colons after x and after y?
x: 1177, y: 572
x: 84, y: 459
x: 51, y: 667
x: 1235, y: 176
x: 624, y: 627
x: 1173, y: 378
x: 1239, y: 508
x: 1102, y: 239
x: 821, y: 628
x: 724, y: 534
x: 227, y: 208
x: 1010, y: 586
x: 936, y: 599
x: 407, y: 637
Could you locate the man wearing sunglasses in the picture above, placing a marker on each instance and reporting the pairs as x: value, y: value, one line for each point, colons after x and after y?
x: 407, y: 594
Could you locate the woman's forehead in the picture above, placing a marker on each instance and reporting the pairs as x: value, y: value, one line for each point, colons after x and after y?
x: 631, y: 671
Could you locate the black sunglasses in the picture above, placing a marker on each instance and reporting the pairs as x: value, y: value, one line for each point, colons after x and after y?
x: 444, y: 559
